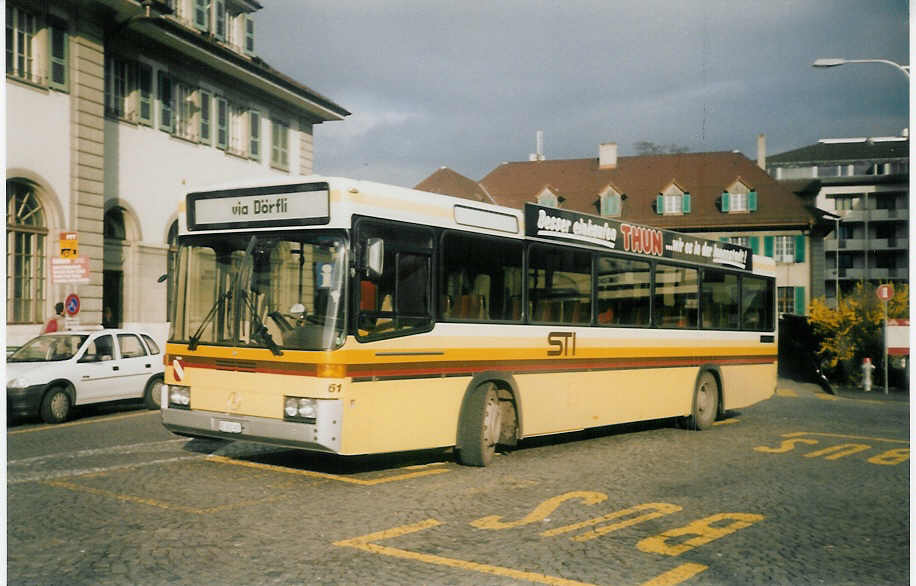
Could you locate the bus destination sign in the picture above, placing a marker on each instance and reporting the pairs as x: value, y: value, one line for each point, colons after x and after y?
x: 546, y: 222
x: 272, y: 206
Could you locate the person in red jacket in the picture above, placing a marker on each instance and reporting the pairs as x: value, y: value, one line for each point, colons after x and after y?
x: 56, y: 323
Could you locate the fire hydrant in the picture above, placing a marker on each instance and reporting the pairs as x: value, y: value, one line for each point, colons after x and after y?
x: 867, y: 368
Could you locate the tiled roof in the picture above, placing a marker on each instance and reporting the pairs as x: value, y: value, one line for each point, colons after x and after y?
x: 642, y: 178
x: 447, y: 182
x: 844, y: 152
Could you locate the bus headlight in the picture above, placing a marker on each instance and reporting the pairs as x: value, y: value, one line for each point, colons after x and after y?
x: 300, y: 409
x: 179, y: 397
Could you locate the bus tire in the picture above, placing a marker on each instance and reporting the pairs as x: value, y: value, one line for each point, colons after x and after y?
x: 705, y: 403
x: 480, y: 425
x: 55, y: 406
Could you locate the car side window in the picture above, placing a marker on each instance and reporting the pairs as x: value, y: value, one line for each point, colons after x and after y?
x: 151, y: 344
x: 130, y: 346
x: 102, y: 348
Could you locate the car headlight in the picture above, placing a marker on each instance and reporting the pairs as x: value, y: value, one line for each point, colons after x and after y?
x: 19, y: 382
x: 300, y: 409
x: 179, y: 397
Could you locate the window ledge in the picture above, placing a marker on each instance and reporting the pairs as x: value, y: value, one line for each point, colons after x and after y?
x: 41, y: 84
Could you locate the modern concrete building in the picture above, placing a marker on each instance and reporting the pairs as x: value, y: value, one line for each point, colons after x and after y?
x: 115, y: 108
x: 863, y: 183
x: 721, y: 195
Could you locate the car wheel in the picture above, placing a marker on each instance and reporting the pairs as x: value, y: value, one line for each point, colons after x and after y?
x: 152, y: 396
x: 55, y: 406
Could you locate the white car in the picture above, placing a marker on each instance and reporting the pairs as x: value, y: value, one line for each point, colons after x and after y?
x: 50, y: 374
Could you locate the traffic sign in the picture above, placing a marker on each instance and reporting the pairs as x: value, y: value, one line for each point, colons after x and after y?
x: 885, y: 292
x: 72, y: 304
x: 69, y: 244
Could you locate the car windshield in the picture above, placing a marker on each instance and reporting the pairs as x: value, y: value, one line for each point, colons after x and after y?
x: 49, y: 348
x: 281, y: 291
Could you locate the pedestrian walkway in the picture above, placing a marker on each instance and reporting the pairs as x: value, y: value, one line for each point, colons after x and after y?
x: 791, y: 388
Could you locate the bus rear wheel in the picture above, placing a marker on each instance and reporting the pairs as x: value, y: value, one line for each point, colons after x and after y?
x: 480, y: 426
x: 705, y: 403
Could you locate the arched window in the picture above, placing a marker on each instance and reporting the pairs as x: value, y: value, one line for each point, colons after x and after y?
x: 114, y: 224
x: 25, y: 254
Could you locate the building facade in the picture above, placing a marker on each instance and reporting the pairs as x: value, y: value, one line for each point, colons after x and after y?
x: 718, y: 195
x: 115, y: 109
x: 863, y: 183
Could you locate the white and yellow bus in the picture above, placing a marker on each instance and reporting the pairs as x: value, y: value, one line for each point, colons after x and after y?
x: 350, y: 317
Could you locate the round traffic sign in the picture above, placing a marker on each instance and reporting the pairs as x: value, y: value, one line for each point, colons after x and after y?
x: 72, y: 304
x: 885, y: 292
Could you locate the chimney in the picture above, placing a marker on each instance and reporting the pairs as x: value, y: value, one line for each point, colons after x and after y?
x: 539, y: 155
x: 607, y: 155
x: 762, y: 151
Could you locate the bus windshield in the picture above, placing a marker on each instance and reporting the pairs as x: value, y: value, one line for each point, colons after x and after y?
x: 276, y: 291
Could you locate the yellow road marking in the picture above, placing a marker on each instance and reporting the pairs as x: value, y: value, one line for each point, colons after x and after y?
x: 365, y: 543
x: 728, y: 421
x: 677, y: 575
x: 156, y: 503
x: 72, y: 423
x: 326, y: 476
x: 842, y: 436
x: 825, y: 397
x: 786, y: 393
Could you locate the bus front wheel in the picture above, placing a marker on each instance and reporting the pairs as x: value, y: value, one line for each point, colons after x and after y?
x: 479, y: 429
x: 705, y: 403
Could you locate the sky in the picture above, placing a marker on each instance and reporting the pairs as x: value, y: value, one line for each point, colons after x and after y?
x: 468, y: 84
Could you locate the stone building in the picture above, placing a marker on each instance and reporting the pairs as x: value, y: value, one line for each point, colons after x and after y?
x: 115, y: 108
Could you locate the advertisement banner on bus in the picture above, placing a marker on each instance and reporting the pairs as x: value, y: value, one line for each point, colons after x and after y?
x: 569, y: 226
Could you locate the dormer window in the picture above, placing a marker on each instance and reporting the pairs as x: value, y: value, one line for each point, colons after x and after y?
x: 739, y: 199
x: 548, y: 197
x: 673, y: 201
x: 610, y: 203
x: 229, y: 21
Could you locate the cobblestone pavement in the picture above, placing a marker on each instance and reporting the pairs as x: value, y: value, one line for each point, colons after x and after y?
x: 804, y: 488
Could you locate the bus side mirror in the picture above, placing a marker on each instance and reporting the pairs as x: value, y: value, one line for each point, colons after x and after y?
x: 375, y: 257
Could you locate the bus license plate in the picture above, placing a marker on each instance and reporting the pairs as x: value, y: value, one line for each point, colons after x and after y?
x: 230, y: 426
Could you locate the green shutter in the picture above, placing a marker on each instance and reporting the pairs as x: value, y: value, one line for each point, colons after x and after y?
x: 660, y: 205
x: 724, y: 201
x: 249, y: 35
x: 166, y: 114
x: 222, y: 123
x: 202, y: 14
x: 768, y: 246
x: 685, y: 203
x: 800, y: 308
x: 145, y: 94
x: 724, y: 239
x: 206, y: 117
x: 58, y: 53
x: 754, y: 241
x: 254, y: 135
x: 800, y: 248
x: 752, y: 201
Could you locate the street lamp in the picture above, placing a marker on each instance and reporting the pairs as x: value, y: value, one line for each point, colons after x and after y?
x: 836, y: 62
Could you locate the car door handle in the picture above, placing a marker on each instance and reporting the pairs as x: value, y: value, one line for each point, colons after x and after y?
x: 115, y: 368
x: 148, y: 365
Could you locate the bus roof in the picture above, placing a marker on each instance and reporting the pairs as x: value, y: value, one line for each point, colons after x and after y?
x: 294, y: 202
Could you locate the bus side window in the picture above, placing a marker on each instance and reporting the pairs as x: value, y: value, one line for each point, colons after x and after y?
x: 480, y: 278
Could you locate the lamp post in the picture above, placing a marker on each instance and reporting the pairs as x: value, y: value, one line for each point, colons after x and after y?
x: 836, y: 62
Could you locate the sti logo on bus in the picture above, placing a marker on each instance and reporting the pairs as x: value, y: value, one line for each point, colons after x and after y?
x: 564, y: 343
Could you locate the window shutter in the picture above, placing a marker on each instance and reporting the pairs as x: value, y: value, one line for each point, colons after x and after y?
x: 754, y: 241
x: 222, y: 123
x: 219, y: 24
x: 800, y: 308
x: 206, y: 117
x: 660, y: 205
x: 685, y: 203
x: 724, y: 239
x: 752, y: 201
x: 166, y: 121
x: 202, y: 14
x: 58, y: 55
x: 249, y: 35
x: 800, y: 248
x: 145, y: 94
x: 724, y: 201
x: 254, y: 135
x: 768, y: 246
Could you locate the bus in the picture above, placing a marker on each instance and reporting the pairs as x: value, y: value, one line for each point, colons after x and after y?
x: 349, y: 317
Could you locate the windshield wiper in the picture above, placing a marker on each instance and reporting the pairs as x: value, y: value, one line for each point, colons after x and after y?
x: 259, y: 331
x: 223, y: 297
